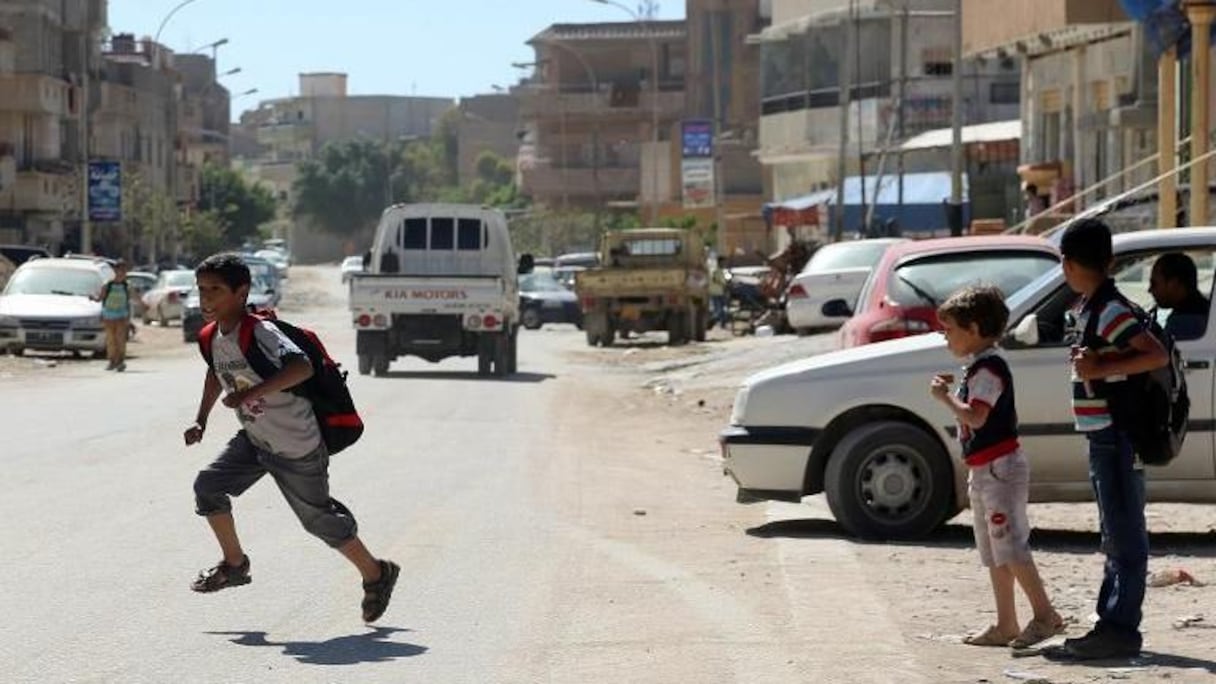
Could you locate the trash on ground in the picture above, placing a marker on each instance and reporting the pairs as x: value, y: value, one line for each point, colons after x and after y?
x: 1172, y: 576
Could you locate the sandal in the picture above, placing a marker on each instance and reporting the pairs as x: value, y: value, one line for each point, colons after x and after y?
x: 989, y: 637
x: 1037, y: 631
x: 376, y: 595
x: 222, y: 576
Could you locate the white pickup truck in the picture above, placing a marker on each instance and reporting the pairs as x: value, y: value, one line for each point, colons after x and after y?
x: 859, y: 424
x: 442, y: 281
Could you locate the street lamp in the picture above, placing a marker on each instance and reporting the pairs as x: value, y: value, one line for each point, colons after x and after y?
x: 168, y: 17
x: 251, y: 91
x: 213, y: 46
x: 231, y: 72
x: 654, y: 87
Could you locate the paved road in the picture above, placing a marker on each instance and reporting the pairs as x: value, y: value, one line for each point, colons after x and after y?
x: 514, y: 509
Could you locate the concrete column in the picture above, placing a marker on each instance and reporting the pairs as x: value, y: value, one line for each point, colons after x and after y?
x: 1079, y: 86
x: 1202, y: 15
x: 1167, y: 139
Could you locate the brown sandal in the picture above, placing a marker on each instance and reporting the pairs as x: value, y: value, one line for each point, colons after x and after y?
x: 222, y: 576
x: 1037, y: 631
x: 989, y: 637
x: 376, y: 595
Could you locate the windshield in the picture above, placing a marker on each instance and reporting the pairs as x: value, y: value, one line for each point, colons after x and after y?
x: 180, y: 279
x: 860, y: 254
x: 262, y: 269
x: 929, y: 281
x: 539, y: 282
x: 61, y: 281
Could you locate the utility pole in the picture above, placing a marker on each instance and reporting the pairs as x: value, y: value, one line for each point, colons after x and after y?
x: 855, y: 11
x: 955, y: 212
x: 86, y: 226
x: 719, y: 181
x: 903, y: 96
x: 845, y: 88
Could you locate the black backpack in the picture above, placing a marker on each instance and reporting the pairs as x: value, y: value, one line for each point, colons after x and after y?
x: 326, y: 390
x: 1153, y: 408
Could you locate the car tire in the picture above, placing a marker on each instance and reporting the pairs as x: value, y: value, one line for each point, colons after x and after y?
x: 532, y: 319
x: 701, y: 324
x: 18, y: 351
x: 485, y: 354
x: 889, y: 480
x: 677, y: 328
x: 160, y: 317
x: 380, y: 366
x: 99, y: 353
x: 365, y: 364
x: 513, y: 353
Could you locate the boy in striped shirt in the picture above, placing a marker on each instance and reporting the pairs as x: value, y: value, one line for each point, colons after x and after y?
x: 1105, y: 351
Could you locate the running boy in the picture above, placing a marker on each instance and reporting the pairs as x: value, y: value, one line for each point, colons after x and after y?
x: 280, y: 437
x: 1118, y: 346
x: 973, y: 321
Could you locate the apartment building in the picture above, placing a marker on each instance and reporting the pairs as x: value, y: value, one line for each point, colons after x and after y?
x: 203, y: 121
x: 600, y: 113
x: 1088, y: 90
x: 46, y: 49
x: 895, y: 61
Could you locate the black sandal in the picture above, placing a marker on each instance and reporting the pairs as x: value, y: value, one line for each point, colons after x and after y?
x: 376, y: 595
x: 222, y: 576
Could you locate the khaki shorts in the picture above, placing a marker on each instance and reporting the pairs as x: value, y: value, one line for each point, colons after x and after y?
x: 999, y: 492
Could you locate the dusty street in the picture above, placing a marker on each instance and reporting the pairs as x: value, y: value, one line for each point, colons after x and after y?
x: 570, y: 525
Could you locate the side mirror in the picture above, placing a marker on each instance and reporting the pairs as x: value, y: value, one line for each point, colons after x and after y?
x: 526, y: 264
x: 837, y: 308
x: 1026, y: 333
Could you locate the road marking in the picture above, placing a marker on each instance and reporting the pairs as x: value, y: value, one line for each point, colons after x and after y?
x: 835, y: 606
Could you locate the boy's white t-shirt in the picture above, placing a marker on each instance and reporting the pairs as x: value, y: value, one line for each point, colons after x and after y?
x: 281, y: 423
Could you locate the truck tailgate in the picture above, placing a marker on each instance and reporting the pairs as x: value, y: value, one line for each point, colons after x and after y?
x: 405, y: 294
x: 609, y: 282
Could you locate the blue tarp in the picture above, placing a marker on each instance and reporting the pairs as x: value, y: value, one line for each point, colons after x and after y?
x: 1165, y: 24
x: 922, y: 209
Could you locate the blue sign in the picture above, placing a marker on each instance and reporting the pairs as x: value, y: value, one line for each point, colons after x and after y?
x: 105, y: 191
x: 698, y: 137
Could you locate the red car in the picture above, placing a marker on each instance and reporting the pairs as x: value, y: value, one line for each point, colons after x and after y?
x: 912, y: 279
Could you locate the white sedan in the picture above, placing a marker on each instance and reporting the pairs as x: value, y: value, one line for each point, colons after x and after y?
x: 836, y: 271
x: 167, y: 298
x: 859, y: 424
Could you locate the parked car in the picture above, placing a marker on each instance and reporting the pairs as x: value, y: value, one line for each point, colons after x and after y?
x: 836, y: 271
x: 567, y: 266
x: 275, y: 257
x: 12, y: 256
x: 51, y: 305
x: 901, y: 296
x: 350, y: 266
x: 268, y: 272
x: 859, y: 424
x: 544, y: 300
x: 140, y: 284
x: 164, y: 301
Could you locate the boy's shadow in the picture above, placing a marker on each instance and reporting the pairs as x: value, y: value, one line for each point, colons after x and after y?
x: 372, y: 647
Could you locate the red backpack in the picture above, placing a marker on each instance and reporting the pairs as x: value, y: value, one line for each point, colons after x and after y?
x: 326, y: 390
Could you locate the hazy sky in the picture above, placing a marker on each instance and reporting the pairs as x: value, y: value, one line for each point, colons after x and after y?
x: 449, y: 48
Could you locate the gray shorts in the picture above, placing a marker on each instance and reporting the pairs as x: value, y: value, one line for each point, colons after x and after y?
x: 999, y: 492
x: 303, y: 481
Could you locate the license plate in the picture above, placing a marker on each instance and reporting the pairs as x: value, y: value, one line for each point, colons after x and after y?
x: 552, y: 304
x: 43, y: 337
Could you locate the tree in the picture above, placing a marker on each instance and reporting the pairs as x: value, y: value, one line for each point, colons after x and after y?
x: 239, y: 205
x: 203, y: 233
x: 345, y: 189
x: 149, y: 217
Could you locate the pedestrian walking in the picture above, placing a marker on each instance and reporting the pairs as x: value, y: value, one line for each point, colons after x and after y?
x: 1109, y: 344
x: 973, y: 321
x: 280, y: 436
x: 115, y: 298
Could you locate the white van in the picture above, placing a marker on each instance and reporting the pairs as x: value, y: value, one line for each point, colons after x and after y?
x: 441, y: 281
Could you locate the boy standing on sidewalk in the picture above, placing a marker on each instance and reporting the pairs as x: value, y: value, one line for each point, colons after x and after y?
x: 1119, y: 346
x: 973, y: 320
x: 115, y: 298
x: 280, y: 437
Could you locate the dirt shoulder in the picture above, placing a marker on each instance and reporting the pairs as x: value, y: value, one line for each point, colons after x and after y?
x: 933, y: 590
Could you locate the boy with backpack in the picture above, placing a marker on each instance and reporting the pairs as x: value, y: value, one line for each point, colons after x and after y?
x: 280, y: 436
x: 1112, y: 342
x: 115, y: 298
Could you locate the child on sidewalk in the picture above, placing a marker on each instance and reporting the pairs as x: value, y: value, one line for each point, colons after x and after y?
x: 973, y: 321
x: 115, y: 298
x: 280, y: 437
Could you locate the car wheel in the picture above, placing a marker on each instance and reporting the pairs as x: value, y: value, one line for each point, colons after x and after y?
x: 677, y: 328
x: 485, y: 354
x: 365, y: 364
x: 99, y: 354
x: 160, y: 317
x: 701, y: 324
x: 513, y: 352
x: 532, y: 319
x: 380, y: 366
x: 889, y: 480
x: 18, y: 351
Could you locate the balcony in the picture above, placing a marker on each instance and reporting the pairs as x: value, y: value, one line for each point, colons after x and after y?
x: 548, y: 184
x: 37, y: 94
x: 39, y: 192
x: 1037, y: 24
x: 620, y: 104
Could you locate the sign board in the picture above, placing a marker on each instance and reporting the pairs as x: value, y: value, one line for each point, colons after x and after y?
x: 698, y: 183
x: 698, y: 138
x: 105, y: 191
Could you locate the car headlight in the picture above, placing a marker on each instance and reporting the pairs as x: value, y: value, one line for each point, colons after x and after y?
x: 740, y: 407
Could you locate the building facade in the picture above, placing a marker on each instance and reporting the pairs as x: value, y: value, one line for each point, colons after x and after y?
x: 488, y: 123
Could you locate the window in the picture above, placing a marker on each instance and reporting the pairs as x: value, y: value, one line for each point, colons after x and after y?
x: 468, y: 235
x: 443, y: 234
x: 859, y: 254
x: 657, y: 247
x: 1005, y: 93
x: 939, y: 68
x: 930, y: 280
x: 413, y: 234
